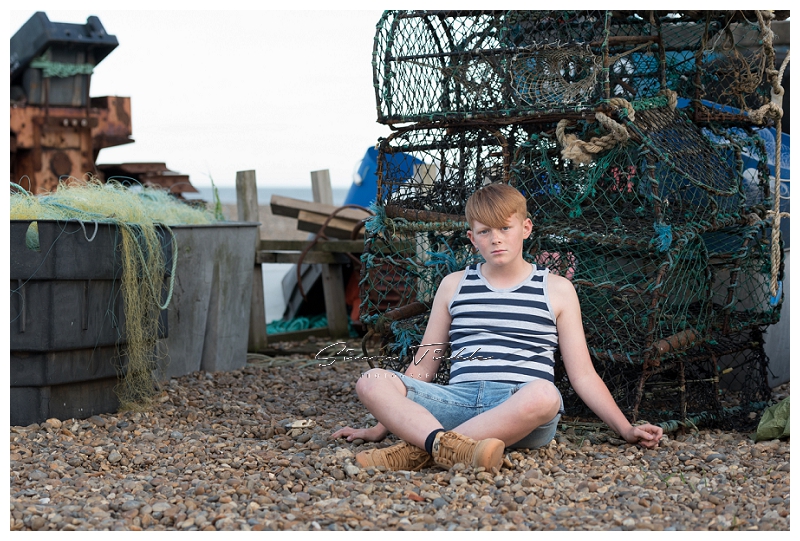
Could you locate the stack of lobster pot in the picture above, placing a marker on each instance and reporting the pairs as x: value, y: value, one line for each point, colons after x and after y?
x: 640, y: 140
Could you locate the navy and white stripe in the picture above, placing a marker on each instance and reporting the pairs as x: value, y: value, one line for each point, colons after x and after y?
x: 504, y: 335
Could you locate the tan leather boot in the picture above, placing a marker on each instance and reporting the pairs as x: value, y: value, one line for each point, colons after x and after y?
x: 450, y: 448
x: 402, y: 456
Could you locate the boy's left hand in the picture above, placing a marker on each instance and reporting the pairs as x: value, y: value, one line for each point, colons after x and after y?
x: 645, y: 435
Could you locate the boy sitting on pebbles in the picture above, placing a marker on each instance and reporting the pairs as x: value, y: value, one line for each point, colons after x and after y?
x: 503, y: 320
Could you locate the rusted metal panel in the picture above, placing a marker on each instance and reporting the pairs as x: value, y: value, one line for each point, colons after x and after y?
x: 23, y: 119
x: 113, y: 115
x: 60, y: 138
x: 148, y: 174
x: 58, y: 142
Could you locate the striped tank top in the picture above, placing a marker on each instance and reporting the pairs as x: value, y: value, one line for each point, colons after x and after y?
x: 504, y: 335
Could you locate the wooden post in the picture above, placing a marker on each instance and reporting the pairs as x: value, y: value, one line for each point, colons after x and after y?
x: 332, y: 279
x: 321, y: 187
x: 335, y: 307
x: 247, y: 207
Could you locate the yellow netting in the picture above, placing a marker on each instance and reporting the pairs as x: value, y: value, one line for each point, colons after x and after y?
x: 138, y: 214
x: 107, y: 202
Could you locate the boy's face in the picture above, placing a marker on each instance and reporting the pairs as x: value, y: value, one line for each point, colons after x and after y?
x: 503, y: 245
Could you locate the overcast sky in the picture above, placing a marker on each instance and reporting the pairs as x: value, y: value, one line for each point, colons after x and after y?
x: 215, y: 92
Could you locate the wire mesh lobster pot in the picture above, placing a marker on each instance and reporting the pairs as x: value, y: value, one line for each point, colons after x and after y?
x: 732, y: 67
x: 628, y: 133
x: 694, y: 178
x: 465, y: 65
x: 445, y: 65
x: 637, y: 302
x: 426, y: 174
x: 669, y: 177
x: 716, y: 383
x: 607, y: 197
x: 743, y: 366
x: 740, y: 260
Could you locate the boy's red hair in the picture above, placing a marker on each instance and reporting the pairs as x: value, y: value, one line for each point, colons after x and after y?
x: 494, y: 204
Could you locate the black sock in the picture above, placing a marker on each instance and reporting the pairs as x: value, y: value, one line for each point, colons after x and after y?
x: 430, y: 438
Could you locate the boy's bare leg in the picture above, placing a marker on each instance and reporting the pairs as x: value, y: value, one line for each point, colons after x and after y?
x: 535, y: 404
x: 384, y: 395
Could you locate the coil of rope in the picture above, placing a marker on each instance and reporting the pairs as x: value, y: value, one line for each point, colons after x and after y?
x: 583, y: 152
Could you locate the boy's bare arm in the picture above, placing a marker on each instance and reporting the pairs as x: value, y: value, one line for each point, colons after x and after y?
x: 582, y: 375
x: 427, y: 359
x: 437, y: 333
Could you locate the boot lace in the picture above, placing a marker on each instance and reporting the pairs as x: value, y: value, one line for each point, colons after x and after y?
x: 454, y: 448
x: 403, y: 456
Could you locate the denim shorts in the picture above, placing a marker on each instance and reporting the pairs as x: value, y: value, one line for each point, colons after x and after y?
x: 455, y: 404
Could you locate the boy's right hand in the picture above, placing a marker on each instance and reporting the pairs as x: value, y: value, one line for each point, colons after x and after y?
x: 374, y: 433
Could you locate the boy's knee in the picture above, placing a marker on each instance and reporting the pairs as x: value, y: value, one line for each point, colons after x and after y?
x: 365, y: 382
x: 553, y: 398
x: 543, y: 399
x: 375, y: 381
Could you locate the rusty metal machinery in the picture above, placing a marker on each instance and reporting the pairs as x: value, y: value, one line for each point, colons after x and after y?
x: 57, y: 129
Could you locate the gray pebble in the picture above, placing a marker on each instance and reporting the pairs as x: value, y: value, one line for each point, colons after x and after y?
x: 37, y: 475
x: 131, y: 504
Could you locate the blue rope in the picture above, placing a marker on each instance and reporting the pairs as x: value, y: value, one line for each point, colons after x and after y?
x: 376, y: 223
x: 664, y: 236
x: 405, y: 338
x: 775, y: 299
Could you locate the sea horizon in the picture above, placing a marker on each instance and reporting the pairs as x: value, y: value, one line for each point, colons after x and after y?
x: 227, y: 194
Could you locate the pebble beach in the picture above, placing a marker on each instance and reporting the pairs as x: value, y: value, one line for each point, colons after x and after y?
x: 250, y: 450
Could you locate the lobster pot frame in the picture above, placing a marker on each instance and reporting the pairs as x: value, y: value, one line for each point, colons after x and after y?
x: 740, y: 260
x: 731, y: 68
x: 479, y: 65
x: 435, y: 170
x: 405, y: 262
x: 743, y: 367
x: 455, y: 66
x: 668, y: 177
x: 717, y: 383
x: 608, y: 197
x: 637, y: 303
x: 694, y: 178
x: 418, y: 234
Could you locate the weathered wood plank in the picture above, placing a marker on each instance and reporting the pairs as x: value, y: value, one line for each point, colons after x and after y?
x: 332, y: 278
x: 290, y: 207
x: 335, y: 227
x: 335, y: 304
x: 247, y: 207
